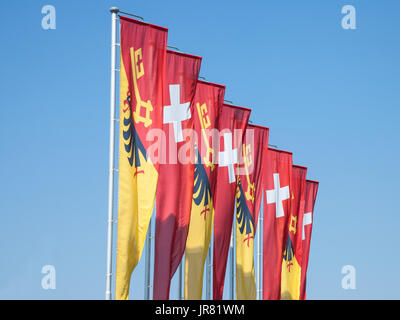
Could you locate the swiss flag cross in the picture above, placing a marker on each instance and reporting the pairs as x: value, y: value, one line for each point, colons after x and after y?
x: 278, y: 195
x: 308, y: 217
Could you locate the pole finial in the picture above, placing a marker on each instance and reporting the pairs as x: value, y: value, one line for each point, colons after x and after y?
x: 114, y: 10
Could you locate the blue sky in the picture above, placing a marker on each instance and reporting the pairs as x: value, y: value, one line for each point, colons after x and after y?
x: 329, y: 95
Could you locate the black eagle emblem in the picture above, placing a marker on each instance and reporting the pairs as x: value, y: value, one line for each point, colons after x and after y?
x: 201, y: 188
x: 132, y: 143
x: 243, y: 215
x: 289, y: 252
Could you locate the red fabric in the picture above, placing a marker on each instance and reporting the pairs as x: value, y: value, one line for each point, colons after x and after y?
x: 175, y: 182
x: 294, y: 243
x: 255, y: 146
x: 299, y: 174
x: 275, y: 228
x: 233, y: 122
x: 310, y: 197
x: 208, y: 102
x: 149, y: 44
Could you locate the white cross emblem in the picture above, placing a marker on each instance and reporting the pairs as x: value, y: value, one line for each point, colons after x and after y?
x: 307, y: 219
x: 277, y: 196
x: 176, y: 112
x: 228, y: 157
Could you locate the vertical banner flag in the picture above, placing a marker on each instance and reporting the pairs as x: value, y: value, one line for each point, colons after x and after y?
x: 292, y: 257
x: 308, y: 218
x: 277, y: 202
x: 208, y: 102
x: 248, y: 200
x: 176, y: 172
x: 232, y: 125
x: 142, y: 71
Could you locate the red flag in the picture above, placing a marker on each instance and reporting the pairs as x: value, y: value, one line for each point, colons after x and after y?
x: 175, y: 183
x: 143, y: 58
x: 208, y: 100
x: 307, y: 222
x: 248, y: 200
x: 292, y: 257
x: 232, y: 124
x: 251, y: 175
x: 277, y: 187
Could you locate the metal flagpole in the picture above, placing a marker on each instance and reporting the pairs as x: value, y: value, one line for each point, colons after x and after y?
x: 232, y: 265
x: 258, y: 257
x: 180, y: 282
x: 147, y: 268
x: 208, y: 273
x: 110, y: 221
x: 259, y: 227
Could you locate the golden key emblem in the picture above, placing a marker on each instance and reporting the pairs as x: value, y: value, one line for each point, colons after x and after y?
x: 205, y: 124
x: 293, y: 224
x: 137, y: 73
x: 247, y: 157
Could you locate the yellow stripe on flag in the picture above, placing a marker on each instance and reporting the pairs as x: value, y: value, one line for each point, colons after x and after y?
x: 197, y: 244
x: 290, y: 280
x: 137, y: 188
x: 245, y: 277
